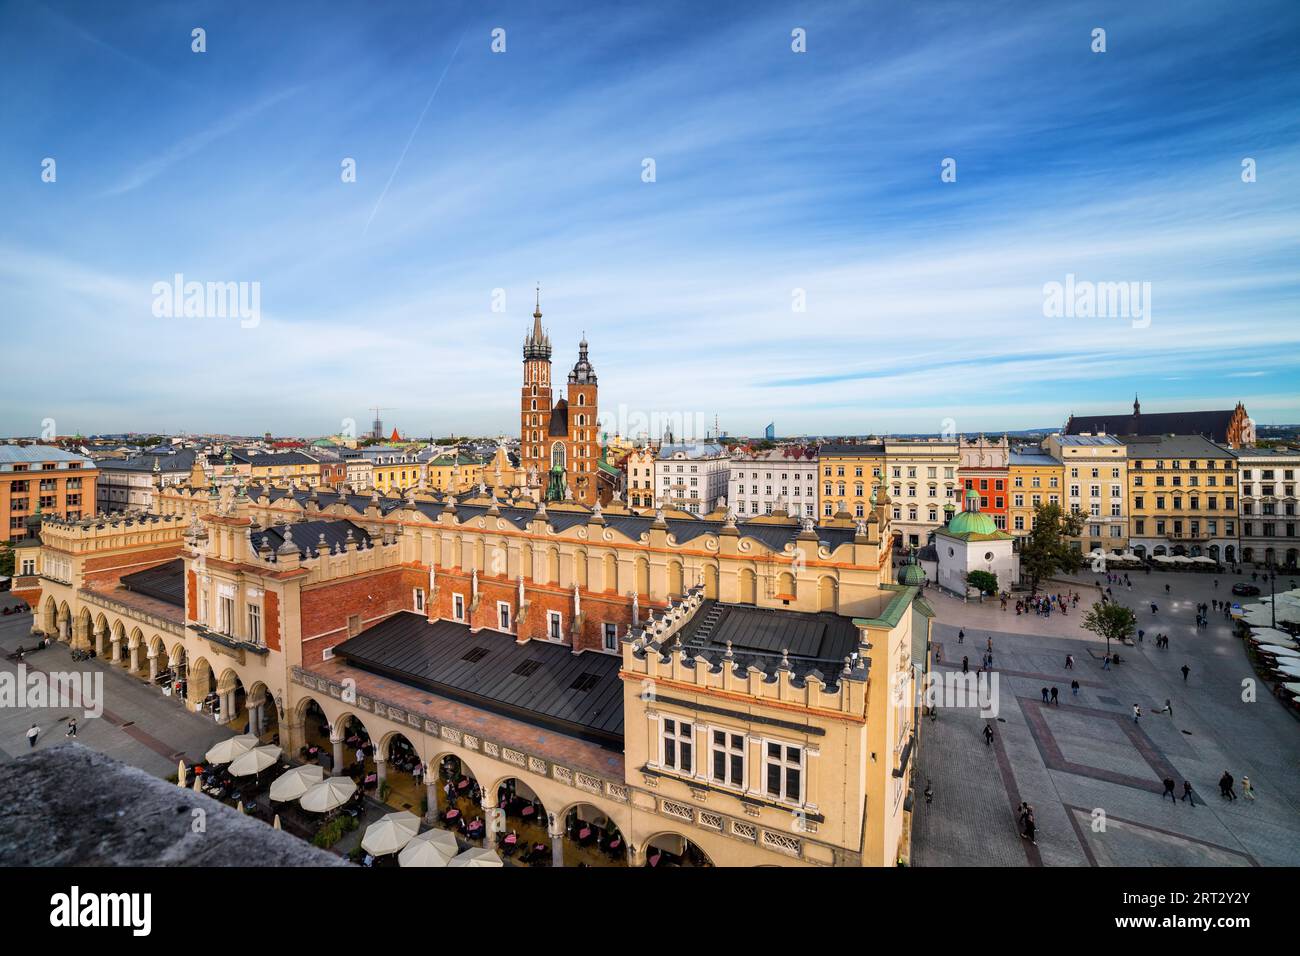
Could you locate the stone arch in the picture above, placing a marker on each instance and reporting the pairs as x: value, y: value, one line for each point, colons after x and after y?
x: 747, y: 586
x: 580, y: 568
x: 590, y: 836
x: 64, y: 623
x: 520, y: 807
x: 50, y: 618
x: 200, y: 681
x: 100, y: 637
x: 673, y: 849
x: 264, y: 713
x: 81, y: 629
x: 828, y: 594
x: 676, y: 579
x: 400, y: 756
x: 552, y: 565
x: 711, y: 581
x: 117, y: 642
x: 785, y: 585
x: 610, y: 564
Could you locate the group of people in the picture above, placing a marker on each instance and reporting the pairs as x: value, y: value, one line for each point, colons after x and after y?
x: 1044, y: 604
x: 1228, y: 793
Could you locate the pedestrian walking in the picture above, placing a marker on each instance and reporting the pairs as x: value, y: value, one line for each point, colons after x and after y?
x: 1187, y: 793
x: 32, y: 734
x: 1247, y: 790
x: 1225, y: 787
x: 72, y: 728
x: 1105, y: 663
x: 1186, y: 670
x: 1031, y: 828
x: 1169, y: 707
x: 1153, y: 607
x: 965, y: 665
x: 1055, y: 697
x: 1137, y: 713
x: 929, y: 793
x: 1169, y: 791
x: 1074, y: 688
x: 988, y: 736
x: 961, y: 636
x: 1069, y: 662
x: 1044, y: 695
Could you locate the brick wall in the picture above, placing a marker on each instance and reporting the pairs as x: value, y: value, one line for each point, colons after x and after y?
x: 325, y: 609
x: 597, y: 609
x: 271, y: 611
x: 111, y: 567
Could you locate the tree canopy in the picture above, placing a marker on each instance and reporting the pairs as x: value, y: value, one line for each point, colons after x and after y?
x: 1046, y: 550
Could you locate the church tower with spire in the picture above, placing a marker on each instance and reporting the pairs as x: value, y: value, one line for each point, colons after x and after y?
x: 559, y: 446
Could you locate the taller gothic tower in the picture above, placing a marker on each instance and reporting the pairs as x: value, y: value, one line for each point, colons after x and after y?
x: 535, y: 404
x: 559, y: 446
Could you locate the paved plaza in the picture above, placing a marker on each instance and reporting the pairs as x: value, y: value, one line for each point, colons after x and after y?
x: 1092, y: 774
x: 139, y: 725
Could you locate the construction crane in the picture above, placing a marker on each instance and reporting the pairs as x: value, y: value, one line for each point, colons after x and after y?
x: 377, y: 428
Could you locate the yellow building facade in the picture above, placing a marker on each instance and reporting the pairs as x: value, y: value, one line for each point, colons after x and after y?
x: 1095, y: 480
x: 847, y: 474
x: 1036, y: 478
x: 1182, y: 497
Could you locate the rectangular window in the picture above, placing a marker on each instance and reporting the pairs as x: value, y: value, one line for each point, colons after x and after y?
x: 611, y: 636
x: 728, y: 759
x: 555, y: 625
x: 458, y: 607
x: 784, y: 765
x: 503, y: 615
x: 418, y: 599
x: 226, y: 615
x: 676, y: 745
x: 254, y: 624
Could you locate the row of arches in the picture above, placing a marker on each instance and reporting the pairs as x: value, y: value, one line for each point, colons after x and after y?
x: 523, y: 819
x: 221, y: 694
x: 544, y: 567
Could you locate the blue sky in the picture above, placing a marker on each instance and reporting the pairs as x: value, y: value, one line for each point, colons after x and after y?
x: 775, y: 171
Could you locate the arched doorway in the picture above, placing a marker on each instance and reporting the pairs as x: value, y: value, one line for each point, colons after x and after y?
x: 591, y: 838
x: 317, y: 746
x: 527, y: 838
x: 231, y: 706
x: 459, y: 796
x: 137, y: 660
x: 202, y: 693
x: 263, y: 715
x: 401, y: 781
x: 50, y: 619
x: 673, y: 849
x: 175, y: 679
x: 358, y: 752
x: 1230, y: 553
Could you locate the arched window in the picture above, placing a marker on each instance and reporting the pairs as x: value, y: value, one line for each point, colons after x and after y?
x: 582, y: 399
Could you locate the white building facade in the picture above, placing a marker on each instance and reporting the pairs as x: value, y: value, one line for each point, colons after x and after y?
x: 691, y: 476
x: 782, y: 478
x: 1267, y: 485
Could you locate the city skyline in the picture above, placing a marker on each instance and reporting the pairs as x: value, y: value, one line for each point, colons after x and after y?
x: 779, y: 176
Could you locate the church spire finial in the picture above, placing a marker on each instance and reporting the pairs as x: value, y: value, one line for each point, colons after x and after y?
x: 537, y: 309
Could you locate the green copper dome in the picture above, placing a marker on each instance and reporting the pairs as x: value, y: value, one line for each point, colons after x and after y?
x: 913, y: 576
x: 971, y: 521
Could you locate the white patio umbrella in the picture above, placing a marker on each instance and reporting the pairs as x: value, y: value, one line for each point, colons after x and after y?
x: 477, y: 856
x: 1293, y: 687
x: 1290, y: 670
x: 180, y: 774
x: 390, y: 833
x: 292, y: 784
x: 1270, y: 635
x: 330, y: 794
x: 255, y: 761
x: 230, y: 748
x: 275, y: 824
x: 1278, y: 651
x: 430, y: 848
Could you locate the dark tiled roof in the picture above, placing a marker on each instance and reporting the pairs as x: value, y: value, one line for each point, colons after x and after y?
x: 540, y: 683
x: 182, y: 460
x: 559, y: 420
x: 866, y: 449
x: 166, y: 582
x: 307, y: 534
x: 1174, y: 446
x: 1212, y: 425
x: 816, y: 641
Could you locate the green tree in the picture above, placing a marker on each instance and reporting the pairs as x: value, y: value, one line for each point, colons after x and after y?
x: 986, y: 582
x: 6, y: 559
x: 1111, y: 621
x: 1045, y: 550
